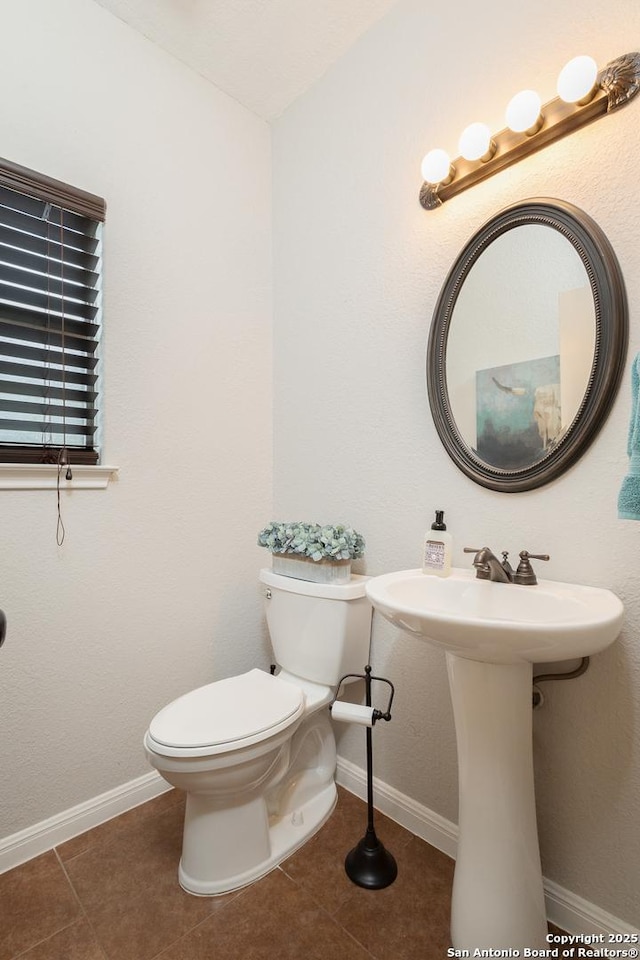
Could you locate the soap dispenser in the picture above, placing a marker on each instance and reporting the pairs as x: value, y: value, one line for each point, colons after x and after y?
x: 436, y: 558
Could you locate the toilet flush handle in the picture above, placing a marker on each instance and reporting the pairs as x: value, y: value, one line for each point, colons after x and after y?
x: 267, y: 594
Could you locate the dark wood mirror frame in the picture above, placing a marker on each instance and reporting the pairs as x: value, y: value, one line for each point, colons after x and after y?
x: 611, y: 337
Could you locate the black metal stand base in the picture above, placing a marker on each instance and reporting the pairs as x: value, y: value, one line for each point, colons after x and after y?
x: 370, y: 864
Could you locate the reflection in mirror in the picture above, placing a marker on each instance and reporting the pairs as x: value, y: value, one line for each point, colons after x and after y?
x: 527, y: 345
x: 515, y: 394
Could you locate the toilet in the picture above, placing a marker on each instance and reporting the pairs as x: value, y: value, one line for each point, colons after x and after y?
x: 255, y: 753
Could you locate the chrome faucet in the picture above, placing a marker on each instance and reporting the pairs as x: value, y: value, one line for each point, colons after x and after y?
x: 488, y: 566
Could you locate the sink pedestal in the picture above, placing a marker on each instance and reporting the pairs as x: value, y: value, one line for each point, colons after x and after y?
x: 498, y: 898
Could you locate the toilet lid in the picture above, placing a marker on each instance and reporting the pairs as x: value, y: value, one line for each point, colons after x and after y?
x: 238, y: 708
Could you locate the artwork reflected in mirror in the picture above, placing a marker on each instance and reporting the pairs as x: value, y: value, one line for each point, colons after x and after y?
x: 518, y: 412
x: 527, y: 340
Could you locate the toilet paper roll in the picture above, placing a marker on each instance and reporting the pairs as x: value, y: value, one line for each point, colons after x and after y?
x: 352, y: 713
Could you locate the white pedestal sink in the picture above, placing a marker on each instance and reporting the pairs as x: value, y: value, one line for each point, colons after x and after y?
x: 492, y: 634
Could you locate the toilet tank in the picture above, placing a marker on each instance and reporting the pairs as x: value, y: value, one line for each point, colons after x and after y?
x: 318, y: 631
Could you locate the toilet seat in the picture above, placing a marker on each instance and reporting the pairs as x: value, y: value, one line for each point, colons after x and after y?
x: 226, y: 715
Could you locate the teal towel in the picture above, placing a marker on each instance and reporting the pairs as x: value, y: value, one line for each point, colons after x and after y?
x: 629, y: 496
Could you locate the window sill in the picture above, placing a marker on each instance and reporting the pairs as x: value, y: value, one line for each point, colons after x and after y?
x: 44, y: 476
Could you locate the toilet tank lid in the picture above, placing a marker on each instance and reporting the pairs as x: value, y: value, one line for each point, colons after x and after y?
x: 227, y: 711
x: 330, y: 591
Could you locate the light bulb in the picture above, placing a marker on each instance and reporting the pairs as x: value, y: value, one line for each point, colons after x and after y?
x: 475, y: 142
x: 523, y: 112
x: 436, y: 167
x: 577, y: 80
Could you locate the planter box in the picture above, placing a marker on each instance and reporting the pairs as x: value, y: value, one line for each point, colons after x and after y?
x: 304, y: 568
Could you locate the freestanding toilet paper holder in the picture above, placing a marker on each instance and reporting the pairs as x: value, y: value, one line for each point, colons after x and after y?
x: 369, y: 864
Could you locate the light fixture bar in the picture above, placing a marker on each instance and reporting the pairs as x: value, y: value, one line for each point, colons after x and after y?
x: 616, y: 85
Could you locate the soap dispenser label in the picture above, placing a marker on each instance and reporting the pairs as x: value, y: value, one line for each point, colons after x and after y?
x: 434, y: 554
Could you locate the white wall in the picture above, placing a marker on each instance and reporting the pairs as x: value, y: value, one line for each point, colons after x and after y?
x: 358, y: 267
x: 154, y: 590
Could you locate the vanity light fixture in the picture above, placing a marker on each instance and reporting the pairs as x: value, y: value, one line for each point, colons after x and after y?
x: 583, y: 96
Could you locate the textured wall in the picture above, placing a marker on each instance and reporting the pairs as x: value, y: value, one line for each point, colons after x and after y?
x: 154, y: 590
x: 358, y: 267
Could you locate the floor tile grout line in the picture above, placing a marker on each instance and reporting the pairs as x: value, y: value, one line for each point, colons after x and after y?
x: 186, y: 933
x: 65, y: 926
x: 85, y: 915
x: 355, y: 940
x: 38, y: 943
x: 183, y: 936
x: 232, y: 896
x: 130, y: 826
x: 324, y: 910
x: 300, y: 883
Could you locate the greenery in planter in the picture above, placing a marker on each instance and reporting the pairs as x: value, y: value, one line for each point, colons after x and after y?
x: 313, y: 541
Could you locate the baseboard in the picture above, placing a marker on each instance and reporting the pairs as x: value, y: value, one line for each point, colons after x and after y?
x: 575, y: 915
x: 565, y: 909
x: 416, y: 818
x: 43, y: 836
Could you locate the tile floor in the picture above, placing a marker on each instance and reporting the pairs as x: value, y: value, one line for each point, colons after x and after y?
x: 112, y: 894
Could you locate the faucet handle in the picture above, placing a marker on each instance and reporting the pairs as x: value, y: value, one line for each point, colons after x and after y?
x: 506, y: 564
x: 525, y: 575
x: 477, y: 551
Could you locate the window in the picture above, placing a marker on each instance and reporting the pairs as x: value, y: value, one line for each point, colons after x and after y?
x: 50, y: 318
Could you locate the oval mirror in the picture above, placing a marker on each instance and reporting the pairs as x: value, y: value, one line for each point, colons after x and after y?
x: 527, y: 345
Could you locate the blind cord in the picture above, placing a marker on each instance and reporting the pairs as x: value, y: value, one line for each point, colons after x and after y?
x: 68, y: 475
x: 46, y: 421
x: 62, y: 455
x: 60, y: 531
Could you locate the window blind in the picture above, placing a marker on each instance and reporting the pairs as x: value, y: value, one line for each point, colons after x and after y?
x: 50, y: 318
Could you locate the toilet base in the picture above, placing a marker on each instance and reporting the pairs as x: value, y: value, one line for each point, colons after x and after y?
x: 285, y: 835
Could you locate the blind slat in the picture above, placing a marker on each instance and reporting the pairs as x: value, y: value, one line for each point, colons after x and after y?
x: 13, y: 350
x: 23, y: 241
x: 45, y: 390
x: 46, y: 410
x: 36, y: 207
x: 32, y: 426
x: 47, y: 374
x: 47, y: 302
x: 11, y: 452
x: 48, y: 230
x: 53, y: 268
x: 48, y: 284
x: 25, y: 324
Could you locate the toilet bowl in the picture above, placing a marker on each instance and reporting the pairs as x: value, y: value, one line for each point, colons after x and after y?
x: 255, y: 754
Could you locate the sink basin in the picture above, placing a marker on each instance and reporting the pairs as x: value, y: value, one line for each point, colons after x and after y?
x: 499, y: 622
